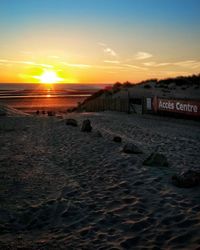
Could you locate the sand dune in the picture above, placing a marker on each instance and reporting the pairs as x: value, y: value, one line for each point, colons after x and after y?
x: 6, y: 110
x: 65, y: 189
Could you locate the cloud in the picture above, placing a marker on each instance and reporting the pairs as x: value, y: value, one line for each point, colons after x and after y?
x: 167, y: 73
x: 54, y: 57
x: 26, y: 62
x: 143, y: 55
x: 163, y: 64
x: 134, y: 67
x: 86, y: 66
x: 113, y: 62
x: 26, y: 52
x: 108, y: 67
x: 108, y: 50
x: 36, y: 64
x: 102, y: 44
x: 75, y: 65
x: 190, y: 64
x: 4, y: 61
x: 154, y: 64
x: 175, y: 73
x: 149, y: 64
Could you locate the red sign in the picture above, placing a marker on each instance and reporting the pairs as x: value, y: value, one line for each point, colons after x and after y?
x: 187, y: 107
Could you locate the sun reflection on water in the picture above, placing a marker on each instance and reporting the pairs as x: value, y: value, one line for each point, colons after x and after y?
x: 48, y: 93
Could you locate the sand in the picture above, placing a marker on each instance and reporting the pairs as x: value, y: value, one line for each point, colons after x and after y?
x: 172, y: 91
x: 61, y: 188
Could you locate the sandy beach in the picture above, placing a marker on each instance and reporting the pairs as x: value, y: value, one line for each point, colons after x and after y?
x: 100, y: 125
x: 61, y: 188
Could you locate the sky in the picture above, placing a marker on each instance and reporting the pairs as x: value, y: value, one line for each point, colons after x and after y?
x: 98, y: 41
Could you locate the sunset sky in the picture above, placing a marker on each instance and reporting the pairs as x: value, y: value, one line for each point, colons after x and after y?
x: 98, y: 41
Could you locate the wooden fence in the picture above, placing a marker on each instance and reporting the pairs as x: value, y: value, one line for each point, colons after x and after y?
x: 120, y: 105
x: 160, y: 106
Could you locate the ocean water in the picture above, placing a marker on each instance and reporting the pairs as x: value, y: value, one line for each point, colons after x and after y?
x: 29, y: 97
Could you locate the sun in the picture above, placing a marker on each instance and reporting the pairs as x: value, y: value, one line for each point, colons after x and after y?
x: 49, y: 77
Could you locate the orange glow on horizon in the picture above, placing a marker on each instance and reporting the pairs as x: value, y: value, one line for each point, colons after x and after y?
x: 49, y: 77
x: 86, y: 71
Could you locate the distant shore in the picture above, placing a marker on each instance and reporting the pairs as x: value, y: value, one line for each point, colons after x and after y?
x: 58, y: 97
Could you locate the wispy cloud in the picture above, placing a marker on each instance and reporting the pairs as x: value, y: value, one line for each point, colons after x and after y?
x: 110, y: 52
x: 108, y: 67
x: 76, y: 65
x: 54, y: 57
x: 86, y: 66
x: 149, y: 64
x: 102, y: 44
x: 112, y: 62
x: 163, y: 64
x: 166, y: 73
x: 107, y: 50
x: 154, y: 64
x: 26, y: 52
x: 5, y: 61
x: 175, y: 73
x: 36, y: 64
x: 143, y: 55
x: 134, y: 67
x: 190, y: 64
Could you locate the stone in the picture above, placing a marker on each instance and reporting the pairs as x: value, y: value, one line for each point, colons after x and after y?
x: 71, y: 122
x: 3, y: 113
x: 156, y: 159
x: 117, y: 139
x: 50, y: 113
x: 186, y: 179
x: 131, y: 148
x: 86, y: 126
x: 59, y: 116
x: 97, y: 134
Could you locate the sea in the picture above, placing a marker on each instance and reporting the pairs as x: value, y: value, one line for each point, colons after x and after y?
x: 59, y: 97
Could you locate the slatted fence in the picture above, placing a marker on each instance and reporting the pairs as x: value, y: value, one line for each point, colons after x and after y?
x: 120, y: 105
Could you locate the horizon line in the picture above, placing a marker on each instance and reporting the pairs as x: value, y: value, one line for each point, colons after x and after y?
x: 98, y: 83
